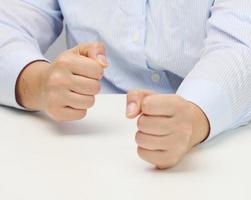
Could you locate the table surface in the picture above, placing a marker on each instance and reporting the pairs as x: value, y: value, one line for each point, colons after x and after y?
x: 96, y: 158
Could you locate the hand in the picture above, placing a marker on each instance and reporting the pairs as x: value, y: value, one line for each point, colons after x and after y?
x: 66, y: 88
x: 168, y: 126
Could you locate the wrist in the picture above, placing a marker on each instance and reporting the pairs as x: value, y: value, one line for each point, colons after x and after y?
x: 201, y: 126
x: 29, y: 86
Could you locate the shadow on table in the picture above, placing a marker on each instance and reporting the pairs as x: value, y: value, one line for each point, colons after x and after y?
x: 86, y: 126
x: 79, y: 128
x: 82, y: 127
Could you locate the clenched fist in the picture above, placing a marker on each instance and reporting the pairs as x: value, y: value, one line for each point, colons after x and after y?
x: 66, y: 88
x: 168, y: 126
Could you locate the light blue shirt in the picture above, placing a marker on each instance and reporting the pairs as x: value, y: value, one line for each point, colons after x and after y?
x: 199, y: 49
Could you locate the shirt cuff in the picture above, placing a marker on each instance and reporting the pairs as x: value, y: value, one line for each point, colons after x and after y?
x: 212, y: 99
x: 11, y: 66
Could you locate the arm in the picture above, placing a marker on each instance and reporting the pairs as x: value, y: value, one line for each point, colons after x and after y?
x: 214, y: 97
x: 220, y: 82
x: 23, y: 39
x: 65, y: 88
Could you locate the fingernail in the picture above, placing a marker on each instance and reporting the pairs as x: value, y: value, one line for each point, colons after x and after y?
x: 102, y: 60
x: 131, y: 109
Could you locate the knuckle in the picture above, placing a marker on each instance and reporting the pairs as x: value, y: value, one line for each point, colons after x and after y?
x: 133, y: 93
x: 98, y: 45
x: 90, y: 100
x: 138, y: 138
x: 99, y: 72
x: 57, y: 78
x: 78, y: 47
x: 80, y: 115
x: 141, y: 123
x: 146, y: 104
x: 96, y: 87
x: 62, y: 61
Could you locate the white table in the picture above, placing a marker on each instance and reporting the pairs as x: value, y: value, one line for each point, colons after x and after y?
x: 96, y: 159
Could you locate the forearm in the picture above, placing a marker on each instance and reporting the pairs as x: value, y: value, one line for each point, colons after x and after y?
x: 29, y: 85
x: 220, y: 81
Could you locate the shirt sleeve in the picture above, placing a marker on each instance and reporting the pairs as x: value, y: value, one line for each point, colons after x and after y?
x: 27, y: 29
x: 220, y: 83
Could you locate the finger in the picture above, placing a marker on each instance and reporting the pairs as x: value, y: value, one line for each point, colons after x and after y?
x: 69, y: 114
x: 162, y: 105
x: 95, y: 51
x: 160, y: 159
x: 151, y: 142
x: 134, y: 99
x: 175, y: 142
x: 85, y: 86
x: 85, y: 67
x: 77, y: 101
x: 156, y: 125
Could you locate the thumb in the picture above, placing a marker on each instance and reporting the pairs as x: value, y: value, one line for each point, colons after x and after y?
x: 95, y: 51
x: 134, y: 100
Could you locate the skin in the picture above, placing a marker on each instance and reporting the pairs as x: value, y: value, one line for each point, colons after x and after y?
x: 168, y: 126
x: 66, y: 88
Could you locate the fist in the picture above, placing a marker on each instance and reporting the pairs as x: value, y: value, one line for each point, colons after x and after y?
x: 168, y: 126
x: 69, y: 87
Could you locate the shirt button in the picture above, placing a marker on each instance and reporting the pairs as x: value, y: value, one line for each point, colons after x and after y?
x: 136, y: 37
x: 155, y: 77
